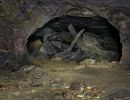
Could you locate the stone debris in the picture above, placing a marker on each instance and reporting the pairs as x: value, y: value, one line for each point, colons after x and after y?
x: 57, y: 59
x: 36, y: 84
x: 88, y: 62
x: 80, y: 95
x: 75, y: 91
x: 68, y: 95
x: 41, y: 82
x: 28, y: 68
x: 75, y: 86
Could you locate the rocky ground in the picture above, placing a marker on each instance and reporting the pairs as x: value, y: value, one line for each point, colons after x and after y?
x: 52, y: 79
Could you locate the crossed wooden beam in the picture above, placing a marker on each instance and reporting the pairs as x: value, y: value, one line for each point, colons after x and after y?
x: 75, y: 35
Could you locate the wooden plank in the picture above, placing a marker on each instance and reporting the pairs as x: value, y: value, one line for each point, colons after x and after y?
x: 72, y: 30
x: 75, y: 40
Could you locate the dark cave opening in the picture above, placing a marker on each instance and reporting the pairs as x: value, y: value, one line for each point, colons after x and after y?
x: 100, y: 40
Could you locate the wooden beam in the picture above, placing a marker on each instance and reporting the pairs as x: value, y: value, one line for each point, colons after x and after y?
x: 72, y: 30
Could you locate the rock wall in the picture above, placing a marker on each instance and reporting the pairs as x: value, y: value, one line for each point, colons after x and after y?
x: 20, y: 18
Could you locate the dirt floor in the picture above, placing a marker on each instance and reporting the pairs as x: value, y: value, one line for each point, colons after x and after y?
x: 47, y: 79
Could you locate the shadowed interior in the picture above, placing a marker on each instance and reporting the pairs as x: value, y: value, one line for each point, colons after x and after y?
x: 96, y: 25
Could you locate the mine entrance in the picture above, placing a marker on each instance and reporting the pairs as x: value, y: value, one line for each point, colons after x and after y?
x: 96, y: 39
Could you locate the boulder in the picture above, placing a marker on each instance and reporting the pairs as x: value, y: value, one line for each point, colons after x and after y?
x: 99, y: 47
x: 88, y: 62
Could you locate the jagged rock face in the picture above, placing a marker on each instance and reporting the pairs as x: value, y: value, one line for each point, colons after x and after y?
x: 20, y: 18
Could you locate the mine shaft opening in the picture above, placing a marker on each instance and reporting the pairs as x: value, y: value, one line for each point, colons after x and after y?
x: 99, y: 40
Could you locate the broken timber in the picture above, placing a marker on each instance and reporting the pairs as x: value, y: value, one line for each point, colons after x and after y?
x: 72, y: 30
x: 75, y: 35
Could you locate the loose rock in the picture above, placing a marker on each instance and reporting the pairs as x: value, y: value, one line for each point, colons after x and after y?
x: 75, y: 86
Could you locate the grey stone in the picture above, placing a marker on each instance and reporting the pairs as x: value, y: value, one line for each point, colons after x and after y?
x: 98, y: 47
x: 36, y: 84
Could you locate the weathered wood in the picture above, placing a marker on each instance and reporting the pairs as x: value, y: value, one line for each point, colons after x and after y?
x: 75, y: 39
x: 72, y: 30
